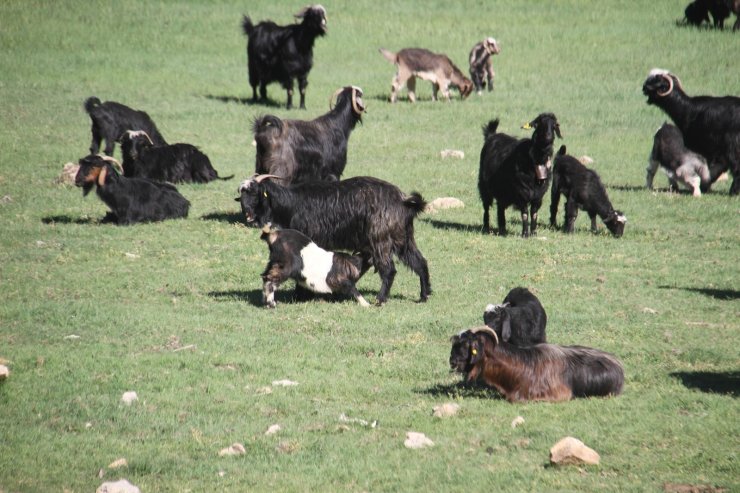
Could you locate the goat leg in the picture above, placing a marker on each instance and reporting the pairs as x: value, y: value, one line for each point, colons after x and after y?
x: 302, y: 84
x: 387, y: 272
x: 533, y: 221
x: 501, y: 219
x: 268, y: 293
x: 592, y: 215
x: 525, y: 223
x: 571, y: 213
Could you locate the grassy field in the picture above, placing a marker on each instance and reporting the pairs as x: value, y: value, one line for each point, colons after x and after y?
x: 172, y: 310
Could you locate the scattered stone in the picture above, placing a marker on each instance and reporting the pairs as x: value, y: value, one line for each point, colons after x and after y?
x: 120, y: 486
x: 649, y: 310
x: 416, y: 440
x: 345, y: 419
x: 40, y: 243
x: 273, y: 429
x: 570, y: 450
x: 129, y: 398
x: 118, y: 463
x: 601, y: 279
x: 287, y: 447
x: 234, y: 449
x: 263, y: 391
x: 445, y: 410
x: 6, y: 199
x: 518, y: 421
x: 4, y: 372
x: 69, y: 171
x: 131, y: 255
x: 284, y: 383
x: 88, y: 425
x: 71, y: 337
x: 442, y: 203
x: 221, y: 474
x: 445, y: 153
x: 586, y: 160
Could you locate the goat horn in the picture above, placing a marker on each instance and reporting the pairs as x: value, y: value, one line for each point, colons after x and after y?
x: 670, y: 85
x: 331, y: 99
x: 259, y: 178
x: 486, y: 329
x: 357, y: 109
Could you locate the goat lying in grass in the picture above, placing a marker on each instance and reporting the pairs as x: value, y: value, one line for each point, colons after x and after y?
x: 294, y: 256
x: 544, y: 372
x: 110, y: 120
x: 131, y: 200
x: 520, y: 320
x: 582, y: 189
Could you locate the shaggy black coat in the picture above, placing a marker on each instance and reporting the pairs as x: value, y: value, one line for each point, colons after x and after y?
x: 679, y: 163
x: 131, y: 200
x: 516, y: 171
x: 365, y: 215
x: 298, y: 150
x: 283, y: 53
x: 582, y: 189
x: 710, y: 125
x: 174, y: 163
x: 294, y: 256
x: 520, y: 320
x: 110, y: 120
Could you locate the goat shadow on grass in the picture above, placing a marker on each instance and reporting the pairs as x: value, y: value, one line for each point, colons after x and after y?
x: 727, y: 383
x: 436, y: 223
x: 69, y: 220
x: 719, y: 294
x: 285, y: 296
x: 245, y: 101
x: 461, y: 389
x: 227, y: 217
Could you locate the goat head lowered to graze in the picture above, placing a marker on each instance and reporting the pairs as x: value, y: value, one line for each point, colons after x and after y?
x: 362, y: 214
x: 519, y: 320
x: 516, y: 171
x: 131, y: 200
x: 543, y: 372
x: 294, y: 256
x: 110, y: 120
x: 436, y: 68
x: 283, y: 53
x: 298, y: 150
x: 710, y: 125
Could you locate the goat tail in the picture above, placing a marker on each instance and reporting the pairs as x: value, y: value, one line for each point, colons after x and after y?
x: 247, y: 25
x: 91, y: 103
x: 490, y: 128
x: 389, y: 55
x: 224, y: 178
x: 415, y: 203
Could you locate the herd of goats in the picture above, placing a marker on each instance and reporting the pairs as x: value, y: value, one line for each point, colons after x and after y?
x: 310, y: 217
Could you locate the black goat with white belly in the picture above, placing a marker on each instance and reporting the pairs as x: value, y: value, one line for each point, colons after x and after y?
x: 294, y: 256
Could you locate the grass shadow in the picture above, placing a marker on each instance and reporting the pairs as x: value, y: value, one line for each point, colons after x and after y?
x: 446, y: 225
x: 461, y: 390
x: 271, y: 103
x: 287, y: 296
x: 227, y: 217
x: 68, y: 220
x: 719, y: 294
x: 727, y: 383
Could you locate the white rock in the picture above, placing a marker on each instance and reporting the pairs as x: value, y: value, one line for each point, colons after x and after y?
x: 445, y: 410
x: 284, y: 383
x: 273, y: 429
x: 518, y: 421
x: 129, y: 398
x: 442, y: 203
x: 570, y: 450
x: 233, y: 449
x: 4, y: 372
x: 445, y: 153
x: 71, y: 337
x: 118, y: 463
x: 120, y: 486
x: 416, y: 440
x: 586, y: 160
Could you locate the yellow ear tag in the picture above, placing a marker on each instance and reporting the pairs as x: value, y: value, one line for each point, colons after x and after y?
x: 474, y: 351
x: 526, y: 126
x: 264, y: 193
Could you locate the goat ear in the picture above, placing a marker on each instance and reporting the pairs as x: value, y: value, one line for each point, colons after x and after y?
x: 562, y: 151
x: 101, y: 176
x: 557, y: 130
x: 506, y: 328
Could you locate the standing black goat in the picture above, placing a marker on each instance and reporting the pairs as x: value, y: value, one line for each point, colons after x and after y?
x: 294, y: 256
x: 298, y: 150
x: 174, y: 163
x: 516, y: 171
x: 520, y: 320
x: 582, y: 189
x: 679, y: 163
x: 283, y: 53
x: 710, y: 125
x: 364, y: 215
x: 131, y: 200
x: 110, y: 120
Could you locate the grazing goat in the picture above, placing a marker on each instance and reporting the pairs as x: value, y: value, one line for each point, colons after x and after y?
x: 433, y: 67
x: 520, y: 320
x: 283, y: 53
x: 294, y: 256
x: 481, y: 63
x: 679, y: 163
x: 131, y: 200
x: 544, y: 372
x: 110, y: 120
x: 516, y: 171
x: 297, y: 150
x: 582, y: 189
x: 698, y: 11
x: 710, y: 125
x: 174, y: 163
x: 364, y: 215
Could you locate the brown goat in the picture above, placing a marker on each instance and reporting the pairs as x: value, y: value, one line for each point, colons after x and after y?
x: 544, y: 372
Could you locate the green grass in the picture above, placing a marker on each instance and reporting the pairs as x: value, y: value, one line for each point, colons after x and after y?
x: 171, y: 310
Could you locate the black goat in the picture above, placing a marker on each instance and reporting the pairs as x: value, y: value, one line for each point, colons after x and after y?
x: 110, y: 120
x: 131, y: 200
x: 582, y: 189
x: 710, y: 125
x: 298, y: 150
x: 520, y: 320
x: 698, y: 11
x: 365, y: 215
x: 174, y: 163
x: 283, y: 53
x: 516, y: 171
x: 294, y: 256
x: 679, y: 163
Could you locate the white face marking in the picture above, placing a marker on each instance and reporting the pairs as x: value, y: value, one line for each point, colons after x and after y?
x: 317, y: 263
x: 491, y: 308
x: 244, y: 185
x: 658, y: 71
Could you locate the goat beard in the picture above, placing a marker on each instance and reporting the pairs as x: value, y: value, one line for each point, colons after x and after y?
x: 86, y: 189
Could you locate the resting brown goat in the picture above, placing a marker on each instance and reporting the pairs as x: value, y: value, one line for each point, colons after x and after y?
x: 544, y: 372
